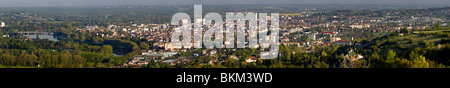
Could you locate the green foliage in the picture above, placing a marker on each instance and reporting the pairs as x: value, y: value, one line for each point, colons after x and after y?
x: 419, y: 62
x: 404, y: 30
x: 437, y: 25
x: 390, y: 55
x: 144, y: 46
x: 324, y: 54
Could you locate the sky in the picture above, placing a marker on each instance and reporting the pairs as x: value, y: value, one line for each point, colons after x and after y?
x: 32, y: 3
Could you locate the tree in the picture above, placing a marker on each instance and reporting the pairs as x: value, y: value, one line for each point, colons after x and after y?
x: 305, y: 38
x: 437, y: 25
x: 404, y: 30
x: 144, y: 46
x: 420, y: 62
x: 107, y: 50
x: 413, y: 55
x: 341, y: 57
x: 82, y: 38
x: 390, y: 55
x: 375, y: 56
x: 324, y: 54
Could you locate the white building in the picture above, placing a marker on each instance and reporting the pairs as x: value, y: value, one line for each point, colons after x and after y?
x: 91, y: 27
x: 3, y: 24
x: 250, y: 59
x: 312, y: 37
x: 295, y: 30
x: 332, y: 39
x: 360, y: 26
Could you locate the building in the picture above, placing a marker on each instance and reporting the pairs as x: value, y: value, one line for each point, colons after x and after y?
x: 213, y: 52
x: 312, y: 37
x: 168, y: 46
x: 285, y: 39
x: 91, y: 27
x: 329, y: 33
x: 234, y: 57
x: 212, y: 61
x: 333, y: 39
x: 291, y: 43
x: 296, y: 30
x: 171, y: 61
x: 250, y: 59
x: 360, y: 26
x: 168, y: 54
x: 137, y: 61
x: 5, y: 36
x: 3, y: 24
x: 340, y: 42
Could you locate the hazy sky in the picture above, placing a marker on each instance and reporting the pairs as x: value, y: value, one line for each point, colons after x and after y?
x: 20, y: 3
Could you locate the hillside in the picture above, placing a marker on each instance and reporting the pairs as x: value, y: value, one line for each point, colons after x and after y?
x: 402, y: 49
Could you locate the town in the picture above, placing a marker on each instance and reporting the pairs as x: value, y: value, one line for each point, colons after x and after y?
x: 311, y: 35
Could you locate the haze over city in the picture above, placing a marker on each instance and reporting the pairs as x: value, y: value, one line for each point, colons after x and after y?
x: 32, y: 3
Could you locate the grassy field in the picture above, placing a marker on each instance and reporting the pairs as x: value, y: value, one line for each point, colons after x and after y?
x: 431, y: 31
x: 16, y: 66
x: 409, y: 42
